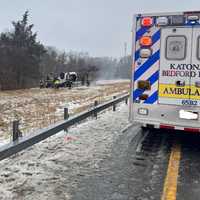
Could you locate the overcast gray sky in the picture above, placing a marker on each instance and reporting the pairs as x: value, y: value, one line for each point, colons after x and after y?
x: 99, y: 27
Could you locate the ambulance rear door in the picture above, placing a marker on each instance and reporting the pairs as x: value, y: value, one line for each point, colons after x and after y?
x: 195, y: 68
x: 175, y: 54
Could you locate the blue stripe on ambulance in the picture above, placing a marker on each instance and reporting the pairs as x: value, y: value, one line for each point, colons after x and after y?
x: 155, y: 38
x: 152, y: 80
x: 141, y: 32
x: 143, y: 68
x: 153, y: 98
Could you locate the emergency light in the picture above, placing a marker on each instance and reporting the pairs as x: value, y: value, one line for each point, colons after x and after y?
x: 147, y: 21
x: 145, y: 41
x: 143, y: 97
x: 144, y: 85
x: 145, y: 53
x: 193, y: 17
x: 162, y: 21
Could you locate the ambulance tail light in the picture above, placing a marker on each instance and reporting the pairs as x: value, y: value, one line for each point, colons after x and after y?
x: 145, y: 53
x: 147, y: 21
x: 163, y: 126
x: 195, y: 130
x: 143, y: 111
x: 143, y: 97
x: 144, y: 85
x: 145, y: 41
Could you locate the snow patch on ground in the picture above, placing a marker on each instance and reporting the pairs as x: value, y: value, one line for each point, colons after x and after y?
x: 103, y: 82
x: 53, y: 168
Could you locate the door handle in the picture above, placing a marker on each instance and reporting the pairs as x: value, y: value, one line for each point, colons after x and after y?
x: 180, y: 83
x: 197, y: 84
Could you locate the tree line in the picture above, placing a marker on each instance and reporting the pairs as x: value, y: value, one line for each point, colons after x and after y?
x: 24, y: 60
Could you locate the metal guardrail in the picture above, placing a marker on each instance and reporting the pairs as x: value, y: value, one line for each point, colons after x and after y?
x: 24, y: 142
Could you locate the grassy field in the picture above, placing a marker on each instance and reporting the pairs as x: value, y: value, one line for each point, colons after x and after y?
x: 38, y: 108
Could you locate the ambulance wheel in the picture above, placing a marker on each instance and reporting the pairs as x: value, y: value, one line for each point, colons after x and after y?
x: 144, y: 128
x: 147, y: 128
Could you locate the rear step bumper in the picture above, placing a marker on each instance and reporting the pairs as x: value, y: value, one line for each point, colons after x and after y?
x: 172, y: 127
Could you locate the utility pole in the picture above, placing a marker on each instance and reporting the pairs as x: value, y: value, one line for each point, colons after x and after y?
x: 125, y: 49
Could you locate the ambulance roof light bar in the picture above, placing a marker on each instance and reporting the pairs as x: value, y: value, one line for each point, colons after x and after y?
x: 192, y: 13
x: 177, y: 20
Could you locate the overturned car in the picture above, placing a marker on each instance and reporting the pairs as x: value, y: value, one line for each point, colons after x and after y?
x: 65, y: 79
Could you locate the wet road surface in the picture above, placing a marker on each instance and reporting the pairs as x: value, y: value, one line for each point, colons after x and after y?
x: 189, y: 172
x: 135, y: 170
x: 138, y: 167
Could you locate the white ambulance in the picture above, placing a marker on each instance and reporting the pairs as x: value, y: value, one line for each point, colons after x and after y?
x: 165, y: 88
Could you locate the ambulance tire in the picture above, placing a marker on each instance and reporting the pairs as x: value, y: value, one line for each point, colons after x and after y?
x: 144, y: 128
x: 147, y: 128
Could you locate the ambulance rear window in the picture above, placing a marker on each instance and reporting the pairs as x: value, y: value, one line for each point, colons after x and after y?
x: 198, y: 48
x: 176, y: 47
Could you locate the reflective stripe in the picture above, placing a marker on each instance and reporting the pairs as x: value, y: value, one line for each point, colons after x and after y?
x: 153, y: 98
x: 155, y: 38
x: 147, y: 65
x: 141, y: 32
x: 195, y: 130
x: 152, y: 80
x: 147, y: 69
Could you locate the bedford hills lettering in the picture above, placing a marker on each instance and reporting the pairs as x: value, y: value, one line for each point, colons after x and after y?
x: 181, y: 91
x: 182, y: 70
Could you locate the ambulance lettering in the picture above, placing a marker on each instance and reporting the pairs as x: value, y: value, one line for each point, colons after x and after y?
x: 181, y: 91
x: 172, y: 73
x: 185, y: 66
x: 188, y: 94
x: 182, y: 70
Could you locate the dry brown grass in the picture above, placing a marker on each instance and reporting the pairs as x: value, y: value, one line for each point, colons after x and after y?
x: 37, y: 108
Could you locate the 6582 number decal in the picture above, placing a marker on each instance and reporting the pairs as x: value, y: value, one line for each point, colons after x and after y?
x: 189, y: 102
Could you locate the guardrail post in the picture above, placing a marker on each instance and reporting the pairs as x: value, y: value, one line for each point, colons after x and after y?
x: 16, y: 132
x: 95, y: 105
x: 66, y: 116
x: 114, y: 105
x: 126, y: 101
x: 66, y: 113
